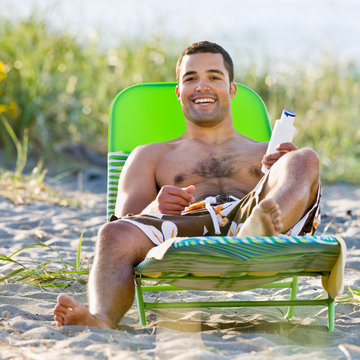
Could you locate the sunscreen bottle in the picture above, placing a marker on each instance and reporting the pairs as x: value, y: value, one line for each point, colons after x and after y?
x: 283, y: 131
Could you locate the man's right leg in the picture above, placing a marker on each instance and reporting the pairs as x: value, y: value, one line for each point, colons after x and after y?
x: 120, y: 246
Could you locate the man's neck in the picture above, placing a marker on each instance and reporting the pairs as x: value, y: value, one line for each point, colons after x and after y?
x: 210, y: 135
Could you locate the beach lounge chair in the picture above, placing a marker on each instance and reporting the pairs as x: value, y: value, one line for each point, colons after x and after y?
x: 147, y: 113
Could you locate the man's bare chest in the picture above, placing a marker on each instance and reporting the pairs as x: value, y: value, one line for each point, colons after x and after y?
x: 184, y: 168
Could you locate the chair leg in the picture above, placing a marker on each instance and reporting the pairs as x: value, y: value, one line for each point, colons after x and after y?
x: 331, y: 314
x: 293, y: 293
x: 140, y: 301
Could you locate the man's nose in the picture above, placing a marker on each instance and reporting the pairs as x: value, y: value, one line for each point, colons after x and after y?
x: 202, y: 85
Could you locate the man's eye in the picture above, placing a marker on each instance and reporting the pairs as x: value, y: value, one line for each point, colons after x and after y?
x: 214, y: 77
x: 188, y: 79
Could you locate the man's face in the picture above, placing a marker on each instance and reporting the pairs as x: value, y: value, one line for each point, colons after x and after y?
x: 204, y: 89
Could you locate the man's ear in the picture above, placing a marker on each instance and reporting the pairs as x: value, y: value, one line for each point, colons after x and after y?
x: 177, y: 91
x: 233, y: 89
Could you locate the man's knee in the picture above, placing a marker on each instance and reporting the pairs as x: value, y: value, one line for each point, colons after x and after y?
x: 122, y: 239
x: 311, y: 157
x: 310, y: 161
x: 305, y: 161
x: 113, y: 234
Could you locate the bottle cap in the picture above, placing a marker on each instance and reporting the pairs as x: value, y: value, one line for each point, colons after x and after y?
x: 287, y: 113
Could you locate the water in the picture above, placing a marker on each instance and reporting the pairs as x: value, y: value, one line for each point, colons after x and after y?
x: 290, y: 30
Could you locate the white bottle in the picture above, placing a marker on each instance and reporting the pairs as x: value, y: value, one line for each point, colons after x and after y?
x: 283, y: 131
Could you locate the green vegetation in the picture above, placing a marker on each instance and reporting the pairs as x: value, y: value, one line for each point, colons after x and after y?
x: 56, y: 90
x: 21, y: 188
x: 52, y: 273
x: 63, y: 89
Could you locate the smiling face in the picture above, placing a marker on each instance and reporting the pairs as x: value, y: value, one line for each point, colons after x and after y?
x: 204, y: 89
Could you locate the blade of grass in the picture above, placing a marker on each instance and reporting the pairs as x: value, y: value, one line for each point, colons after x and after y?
x: 10, y: 275
x: 79, y: 252
x: 8, y: 258
x: 26, y: 247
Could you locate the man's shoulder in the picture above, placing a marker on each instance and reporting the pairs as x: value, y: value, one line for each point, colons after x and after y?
x: 251, y: 143
x: 151, y: 151
x: 153, y: 147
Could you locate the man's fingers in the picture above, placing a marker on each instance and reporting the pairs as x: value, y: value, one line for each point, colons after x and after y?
x: 173, y: 200
x: 270, y: 159
x: 288, y: 146
x: 180, y: 198
x: 171, y: 206
x: 190, y: 189
x: 274, y: 156
x: 181, y: 192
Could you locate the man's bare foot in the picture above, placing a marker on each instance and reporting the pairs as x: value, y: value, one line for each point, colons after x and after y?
x: 263, y: 221
x: 70, y: 312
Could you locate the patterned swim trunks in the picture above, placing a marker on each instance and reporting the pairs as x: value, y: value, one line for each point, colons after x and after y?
x: 216, y: 215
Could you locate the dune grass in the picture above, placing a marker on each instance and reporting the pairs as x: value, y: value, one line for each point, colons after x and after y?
x: 60, y: 90
x: 350, y: 296
x: 52, y: 273
x: 23, y: 188
x: 63, y: 88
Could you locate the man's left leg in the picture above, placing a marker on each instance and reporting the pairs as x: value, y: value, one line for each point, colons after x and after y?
x: 289, y: 191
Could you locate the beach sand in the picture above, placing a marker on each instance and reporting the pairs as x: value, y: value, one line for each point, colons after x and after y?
x: 27, y: 329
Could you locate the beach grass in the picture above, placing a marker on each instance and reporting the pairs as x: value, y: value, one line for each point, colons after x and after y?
x: 52, y: 273
x: 23, y: 188
x: 350, y: 295
x: 56, y: 90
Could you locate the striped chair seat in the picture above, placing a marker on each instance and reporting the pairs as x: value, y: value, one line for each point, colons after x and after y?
x: 238, y: 263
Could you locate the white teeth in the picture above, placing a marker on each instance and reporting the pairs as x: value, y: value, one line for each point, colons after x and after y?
x: 204, y: 100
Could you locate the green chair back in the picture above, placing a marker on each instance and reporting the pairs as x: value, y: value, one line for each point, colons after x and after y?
x: 147, y: 113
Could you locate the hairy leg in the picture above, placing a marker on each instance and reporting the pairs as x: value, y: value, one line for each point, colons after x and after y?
x: 120, y: 246
x: 293, y: 185
x: 290, y: 190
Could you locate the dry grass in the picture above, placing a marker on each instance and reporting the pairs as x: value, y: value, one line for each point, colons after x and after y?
x: 23, y: 189
x: 52, y: 273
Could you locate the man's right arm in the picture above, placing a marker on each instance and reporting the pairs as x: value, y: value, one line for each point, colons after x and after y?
x: 138, y: 189
x: 137, y: 184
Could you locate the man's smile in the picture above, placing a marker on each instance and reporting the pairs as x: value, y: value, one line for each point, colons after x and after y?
x: 204, y: 100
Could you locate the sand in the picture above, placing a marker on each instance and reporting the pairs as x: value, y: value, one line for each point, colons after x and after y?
x: 27, y: 329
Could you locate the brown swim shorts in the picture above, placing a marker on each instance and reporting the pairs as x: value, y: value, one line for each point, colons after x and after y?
x: 221, y: 215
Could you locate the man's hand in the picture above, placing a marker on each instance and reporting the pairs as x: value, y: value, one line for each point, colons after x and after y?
x: 172, y: 200
x: 270, y: 159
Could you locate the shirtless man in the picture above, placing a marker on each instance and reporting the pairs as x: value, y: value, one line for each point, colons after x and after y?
x: 211, y: 158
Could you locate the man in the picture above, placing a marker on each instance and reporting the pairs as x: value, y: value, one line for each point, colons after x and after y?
x: 206, y: 182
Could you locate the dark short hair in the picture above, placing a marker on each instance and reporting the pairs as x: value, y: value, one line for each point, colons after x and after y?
x: 207, y: 47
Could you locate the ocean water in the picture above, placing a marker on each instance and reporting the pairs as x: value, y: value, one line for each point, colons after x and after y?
x: 286, y: 30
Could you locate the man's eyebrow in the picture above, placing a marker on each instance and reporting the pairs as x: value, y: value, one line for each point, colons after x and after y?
x: 189, y: 73
x: 192, y: 72
x: 217, y: 71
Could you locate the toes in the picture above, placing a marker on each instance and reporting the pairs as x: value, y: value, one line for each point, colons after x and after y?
x: 59, y: 320
x: 61, y: 311
x: 278, y: 225
x: 60, y: 308
x: 58, y: 312
x: 66, y: 301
